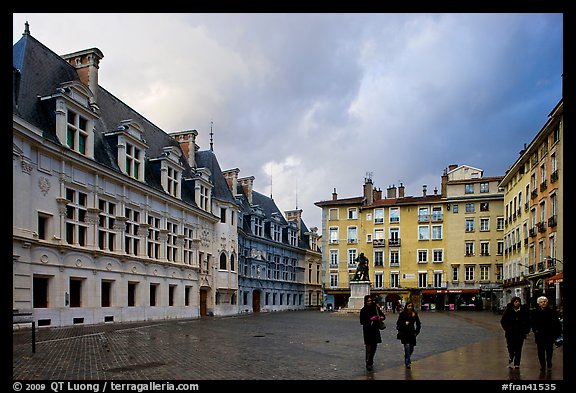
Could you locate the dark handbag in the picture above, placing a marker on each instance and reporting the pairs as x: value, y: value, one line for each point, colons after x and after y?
x: 399, y: 336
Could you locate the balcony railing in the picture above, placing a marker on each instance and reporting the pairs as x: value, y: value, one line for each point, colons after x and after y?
x: 394, y: 242
x: 553, y: 176
x: 379, y: 242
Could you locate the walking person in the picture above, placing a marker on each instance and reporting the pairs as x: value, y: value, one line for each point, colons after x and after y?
x: 370, y: 321
x: 408, y: 326
x: 516, y: 324
x: 546, y: 327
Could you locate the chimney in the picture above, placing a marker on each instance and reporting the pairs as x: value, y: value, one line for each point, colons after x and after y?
x: 187, y: 141
x: 334, y: 195
x: 451, y: 167
x: 368, y: 191
x: 377, y: 194
x: 424, y: 190
x: 401, y: 191
x: 87, y: 63
x: 444, y: 185
x: 247, y: 183
x: 231, y: 176
x: 296, y: 216
x: 391, y: 191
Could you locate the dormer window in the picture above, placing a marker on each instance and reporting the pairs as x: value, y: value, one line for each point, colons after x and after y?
x: 74, y: 117
x: 171, y: 179
x: 76, y: 132
x: 293, y: 236
x: 133, y: 161
x: 203, y: 189
x: 130, y: 144
x: 276, y: 232
x: 258, y: 226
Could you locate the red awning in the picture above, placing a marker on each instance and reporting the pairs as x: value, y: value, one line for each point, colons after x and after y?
x: 555, y: 279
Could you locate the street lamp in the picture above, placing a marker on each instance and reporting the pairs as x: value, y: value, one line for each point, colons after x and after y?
x: 554, y: 260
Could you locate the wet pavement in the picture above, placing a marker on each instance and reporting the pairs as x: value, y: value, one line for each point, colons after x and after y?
x: 285, y: 346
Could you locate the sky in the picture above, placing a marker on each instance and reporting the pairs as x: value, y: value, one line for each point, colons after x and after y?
x: 309, y: 103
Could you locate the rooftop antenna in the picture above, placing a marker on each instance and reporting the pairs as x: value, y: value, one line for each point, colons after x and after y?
x: 211, y: 137
x: 296, y: 193
x: 271, y: 181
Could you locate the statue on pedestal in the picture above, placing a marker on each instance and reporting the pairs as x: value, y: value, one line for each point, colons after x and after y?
x: 361, y: 269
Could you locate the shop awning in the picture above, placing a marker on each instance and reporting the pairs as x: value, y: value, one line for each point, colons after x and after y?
x: 555, y: 279
x: 435, y: 291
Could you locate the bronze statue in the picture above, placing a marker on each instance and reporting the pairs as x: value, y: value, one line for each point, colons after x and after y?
x: 362, y: 268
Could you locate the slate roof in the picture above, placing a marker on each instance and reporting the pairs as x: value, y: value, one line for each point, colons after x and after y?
x: 38, y: 71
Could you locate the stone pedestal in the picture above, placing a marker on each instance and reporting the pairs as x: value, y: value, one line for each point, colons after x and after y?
x: 358, y: 289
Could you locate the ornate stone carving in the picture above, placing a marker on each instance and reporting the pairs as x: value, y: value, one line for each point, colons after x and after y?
x: 44, y: 185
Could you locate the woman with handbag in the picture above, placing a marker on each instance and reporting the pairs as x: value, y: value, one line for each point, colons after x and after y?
x: 370, y: 318
x: 408, y: 326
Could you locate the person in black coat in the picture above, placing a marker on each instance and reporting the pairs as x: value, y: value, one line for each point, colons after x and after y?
x: 516, y: 324
x: 370, y: 320
x: 408, y: 326
x: 546, y: 327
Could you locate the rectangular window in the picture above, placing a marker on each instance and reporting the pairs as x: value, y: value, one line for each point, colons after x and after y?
x: 131, y: 294
x: 106, y: 293
x: 44, y: 231
x: 40, y: 292
x: 171, y: 242
x: 352, y: 213
x: 469, y: 273
x: 75, y: 292
x: 378, y: 216
x: 76, y: 209
x: 455, y: 273
x: 423, y: 232
x: 171, y: 292
x: 333, y: 214
x: 436, y: 232
x: 469, y: 225
x: 106, y: 231
x: 333, y: 258
x: 153, y: 237
x: 352, y: 235
x: 394, y: 215
x: 153, y: 293
x: 131, y: 239
x: 422, y: 256
x: 334, y: 235
x: 422, y: 280
x: 77, y: 132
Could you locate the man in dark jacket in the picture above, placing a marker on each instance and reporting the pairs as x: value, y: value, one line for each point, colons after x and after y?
x: 546, y: 327
x: 516, y: 324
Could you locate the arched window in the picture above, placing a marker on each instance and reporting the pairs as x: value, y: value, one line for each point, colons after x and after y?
x: 232, y: 262
x: 222, y: 261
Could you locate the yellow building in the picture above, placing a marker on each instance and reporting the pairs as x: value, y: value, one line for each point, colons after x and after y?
x: 533, y: 225
x: 416, y: 247
x: 474, y: 223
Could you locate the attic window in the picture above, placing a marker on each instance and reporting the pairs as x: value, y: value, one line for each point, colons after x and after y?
x: 77, y: 134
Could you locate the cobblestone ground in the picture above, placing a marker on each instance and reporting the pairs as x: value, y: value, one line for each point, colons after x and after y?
x: 301, y: 345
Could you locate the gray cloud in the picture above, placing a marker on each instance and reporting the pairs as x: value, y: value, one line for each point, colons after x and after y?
x: 311, y: 102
